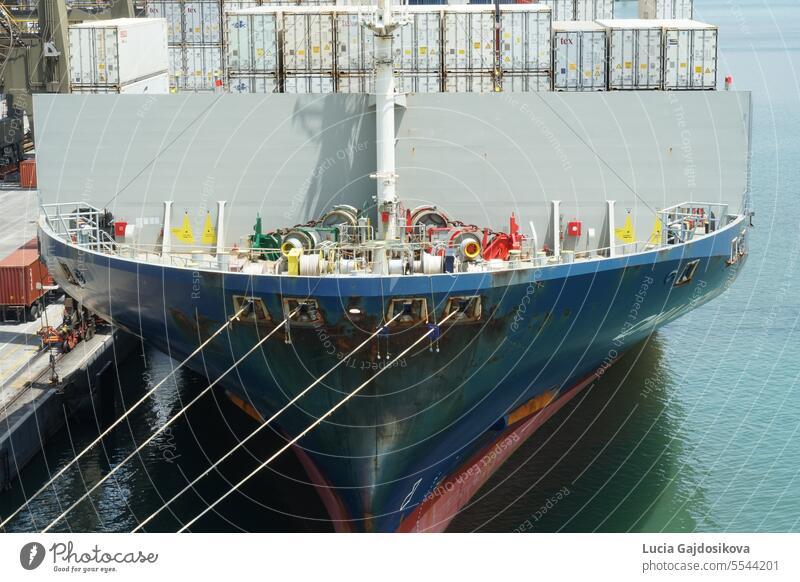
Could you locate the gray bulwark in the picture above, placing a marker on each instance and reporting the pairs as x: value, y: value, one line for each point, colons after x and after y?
x: 478, y: 156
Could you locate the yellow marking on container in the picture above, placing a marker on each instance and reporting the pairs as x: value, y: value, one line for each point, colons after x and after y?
x: 573, y: 67
x: 476, y: 45
x: 628, y: 64
x: 532, y: 406
x: 423, y: 50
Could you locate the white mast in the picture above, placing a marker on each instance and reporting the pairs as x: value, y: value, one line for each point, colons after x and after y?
x: 383, y: 26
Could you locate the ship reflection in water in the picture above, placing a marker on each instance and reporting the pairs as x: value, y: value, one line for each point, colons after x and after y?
x: 606, y: 462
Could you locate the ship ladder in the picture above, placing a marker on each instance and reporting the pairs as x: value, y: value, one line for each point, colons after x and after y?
x: 147, y: 395
x: 294, y: 440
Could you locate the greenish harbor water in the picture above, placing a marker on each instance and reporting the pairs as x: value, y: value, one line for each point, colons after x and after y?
x: 696, y: 430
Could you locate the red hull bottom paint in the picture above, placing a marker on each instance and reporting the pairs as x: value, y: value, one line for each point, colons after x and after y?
x: 436, y: 512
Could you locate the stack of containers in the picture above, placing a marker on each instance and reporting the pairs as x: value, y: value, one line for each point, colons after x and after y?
x: 666, y: 9
x: 635, y: 53
x: 251, y: 37
x: 124, y: 55
x: 195, y: 42
x: 417, y: 49
x: 202, y: 31
x: 560, y: 9
x: 469, y: 48
x: 594, y: 9
x: 307, y: 50
x: 579, y: 56
x: 355, y: 50
x: 690, y: 55
x: 525, y: 59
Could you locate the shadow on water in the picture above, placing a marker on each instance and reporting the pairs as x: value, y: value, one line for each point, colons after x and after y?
x: 277, y: 499
x: 606, y: 462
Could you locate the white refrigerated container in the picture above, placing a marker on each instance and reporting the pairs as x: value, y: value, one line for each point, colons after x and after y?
x: 307, y: 40
x: 666, y: 9
x: 418, y: 82
x: 469, y: 37
x: 118, y: 51
x: 202, y: 22
x: 594, y: 9
x: 635, y: 53
x: 251, y: 42
x: 355, y: 43
x: 156, y: 85
x: 253, y: 84
x: 560, y: 9
x: 203, y: 68
x: 475, y: 82
x: 169, y: 10
x: 579, y: 56
x: 525, y: 37
x: 525, y: 82
x: 690, y: 55
x: 315, y: 83
x: 417, y: 46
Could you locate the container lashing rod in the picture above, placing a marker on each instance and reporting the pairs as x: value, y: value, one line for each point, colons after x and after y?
x: 175, y: 417
x: 302, y: 434
x: 116, y: 423
x: 267, y: 422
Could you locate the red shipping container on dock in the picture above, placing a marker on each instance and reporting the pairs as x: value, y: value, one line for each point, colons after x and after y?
x: 22, y: 276
x: 27, y: 173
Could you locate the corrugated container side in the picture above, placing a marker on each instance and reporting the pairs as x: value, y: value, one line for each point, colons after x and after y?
x: 294, y: 83
x: 560, y: 9
x: 690, y: 58
x: 355, y: 83
x: 252, y: 43
x: 355, y: 43
x: 469, y: 38
x: 579, y: 58
x: 203, y: 67
x: 202, y: 22
x: 308, y: 42
x: 594, y: 9
x: 171, y: 11
x: 20, y: 272
x: 525, y: 82
x: 418, y: 45
x: 418, y: 82
x: 253, y: 84
x: 469, y: 83
x: 666, y: 9
x: 524, y: 40
x: 635, y: 56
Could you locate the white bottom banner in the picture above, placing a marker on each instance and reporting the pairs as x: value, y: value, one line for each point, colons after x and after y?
x: 400, y: 556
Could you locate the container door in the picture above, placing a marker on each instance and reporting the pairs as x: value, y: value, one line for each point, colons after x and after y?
x: 622, y: 58
x: 177, y: 71
x: 265, y: 43
x: 704, y: 55
x: 210, y: 16
x: 567, y: 55
x: 237, y: 53
x: 648, y: 59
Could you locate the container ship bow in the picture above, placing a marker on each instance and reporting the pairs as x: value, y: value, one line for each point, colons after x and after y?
x: 471, y: 337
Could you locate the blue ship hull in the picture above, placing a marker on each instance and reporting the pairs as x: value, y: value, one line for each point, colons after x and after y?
x: 542, y: 331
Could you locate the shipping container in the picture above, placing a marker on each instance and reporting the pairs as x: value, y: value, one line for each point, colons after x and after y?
x: 253, y: 84
x: 229, y: 6
x: 203, y: 68
x: 157, y: 84
x: 525, y: 38
x: 308, y: 40
x: 666, y: 9
x: 355, y: 43
x: 579, y: 56
x: 417, y: 46
x: 27, y: 173
x: 319, y: 83
x: 172, y: 12
x: 635, y: 53
x: 690, y: 55
x: 251, y: 42
x: 560, y: 9
x: 177, y: 69
x: 525, y: 82
x: 469, y: 38
x: 202, y: 22
x: 594, y: 9
x: 355, y: 83
x: 21, y: 273
x: 469, y: 83
x: 423, y: 82
x: 116, y: 52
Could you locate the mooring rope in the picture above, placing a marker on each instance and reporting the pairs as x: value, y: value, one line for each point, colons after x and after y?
x: 168, y: 423
x: 312, y: 426
x: 121, y: 418
x: 266, y: 423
